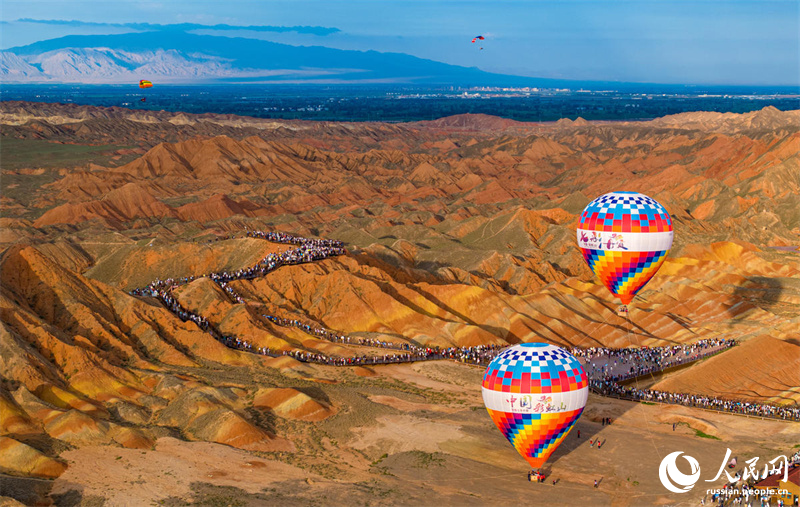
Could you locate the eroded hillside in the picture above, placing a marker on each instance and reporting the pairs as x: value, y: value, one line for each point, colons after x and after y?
x: 459, y: 232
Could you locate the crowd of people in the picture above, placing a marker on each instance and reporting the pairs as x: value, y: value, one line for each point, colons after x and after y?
x: 231, y: 293
x: 612, y: 388
x: 606, y: 367
x: 308, y: 250
x: 481, y: 354
x: 622, y: 364
x: 430, y: 354
x: 651, y: 354
x: 172, y: 304
x: 327, y: 334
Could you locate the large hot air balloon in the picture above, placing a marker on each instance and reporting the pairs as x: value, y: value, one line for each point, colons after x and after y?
x: 624, y: 237
x: 534, y: 393
x: 145, y: 84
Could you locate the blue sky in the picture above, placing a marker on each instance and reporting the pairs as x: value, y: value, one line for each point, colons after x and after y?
x: 660, y: 41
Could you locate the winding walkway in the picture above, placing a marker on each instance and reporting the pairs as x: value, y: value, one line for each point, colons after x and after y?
x: 606, y: 367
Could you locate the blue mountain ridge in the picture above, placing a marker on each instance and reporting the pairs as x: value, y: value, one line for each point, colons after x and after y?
x: 351, y: 66
x: 246, y: 53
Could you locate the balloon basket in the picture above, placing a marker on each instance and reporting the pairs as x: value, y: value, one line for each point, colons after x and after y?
x: 622, y: 310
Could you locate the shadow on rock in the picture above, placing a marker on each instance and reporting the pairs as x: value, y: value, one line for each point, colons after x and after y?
x: 761, y: 291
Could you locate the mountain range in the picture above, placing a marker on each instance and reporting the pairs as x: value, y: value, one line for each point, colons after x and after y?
x: 179, y: 57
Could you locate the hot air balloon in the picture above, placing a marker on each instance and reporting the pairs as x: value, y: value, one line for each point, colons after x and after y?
x: 145, y: 84
x: 534, y: 393
x: 624, y: 238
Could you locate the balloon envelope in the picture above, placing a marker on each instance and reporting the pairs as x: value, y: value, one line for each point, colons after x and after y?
x: 624, y: 238
x: 534, y: 393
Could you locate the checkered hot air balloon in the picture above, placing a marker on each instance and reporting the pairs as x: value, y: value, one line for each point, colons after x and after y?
x: 624, y: 238
x: 534, y: 393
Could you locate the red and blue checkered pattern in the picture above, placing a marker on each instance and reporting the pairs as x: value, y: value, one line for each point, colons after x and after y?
x: 535, y: 368
x: 625, y: 212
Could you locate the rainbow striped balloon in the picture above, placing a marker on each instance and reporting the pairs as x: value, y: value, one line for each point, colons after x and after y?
x: 534, y: 393
x: 624, y: 238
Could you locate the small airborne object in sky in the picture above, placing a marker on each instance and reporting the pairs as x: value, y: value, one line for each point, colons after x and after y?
x: 145, y: 84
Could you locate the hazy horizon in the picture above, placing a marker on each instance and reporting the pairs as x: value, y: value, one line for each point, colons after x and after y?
x: 674, y: 42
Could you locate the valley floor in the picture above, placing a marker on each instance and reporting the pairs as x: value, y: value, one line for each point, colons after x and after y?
x: 398, y: 447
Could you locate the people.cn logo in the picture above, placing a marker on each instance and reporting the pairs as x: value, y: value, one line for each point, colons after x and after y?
x: 672, y: 478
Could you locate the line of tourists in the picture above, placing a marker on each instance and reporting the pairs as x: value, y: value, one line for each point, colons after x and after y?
x: 611, y: 388
x: 481, y: 354
x: 606, y: 367
x: 622, y: 364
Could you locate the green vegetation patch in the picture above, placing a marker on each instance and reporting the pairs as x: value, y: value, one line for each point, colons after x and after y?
x: 427, y: 459
x: 23, y: 188
x: 700, y: 434
x: 19, y: 153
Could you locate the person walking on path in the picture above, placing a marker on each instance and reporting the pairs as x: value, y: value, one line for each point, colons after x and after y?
x: 595, y: 483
